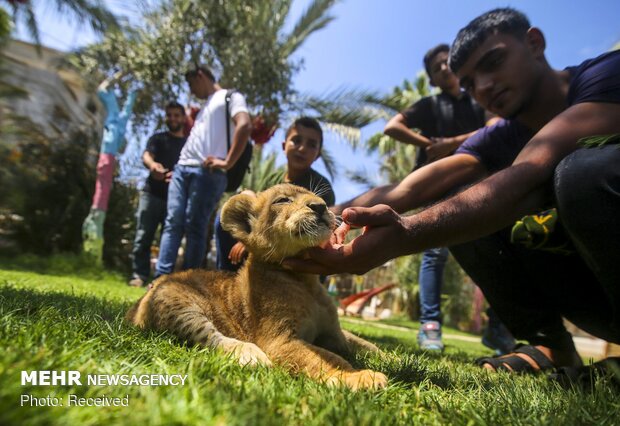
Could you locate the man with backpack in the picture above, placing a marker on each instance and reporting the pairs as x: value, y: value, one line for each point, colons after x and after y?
x: 217, y: 141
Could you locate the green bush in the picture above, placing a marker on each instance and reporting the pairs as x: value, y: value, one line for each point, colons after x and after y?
x: 50, y: 187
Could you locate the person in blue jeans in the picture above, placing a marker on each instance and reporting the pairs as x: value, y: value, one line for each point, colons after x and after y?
x: 161, y: 154
x: 199, y: 178
x: 445, y: 121
x: 431, y: 281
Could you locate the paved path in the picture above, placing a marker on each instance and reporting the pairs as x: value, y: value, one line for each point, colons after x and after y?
x: 587, y: 347
x: 409, y: 329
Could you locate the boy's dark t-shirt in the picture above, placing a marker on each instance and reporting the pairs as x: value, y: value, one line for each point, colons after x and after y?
x: 443, y: 116
x: 311, y: 180
x: 595, y: 80
x: 318, y: 184
x: 165, y: 149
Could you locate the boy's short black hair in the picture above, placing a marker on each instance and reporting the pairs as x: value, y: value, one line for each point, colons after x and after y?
x: 503, y: 20
x: 195, y: 69
x: 175, y: 105
x: 430, y: 55
x: 308, y: 122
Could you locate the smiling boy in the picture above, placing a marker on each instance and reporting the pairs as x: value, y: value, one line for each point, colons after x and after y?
x: 302, y: 147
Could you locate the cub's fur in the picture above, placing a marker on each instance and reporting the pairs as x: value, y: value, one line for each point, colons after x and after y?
x: 263, y: 314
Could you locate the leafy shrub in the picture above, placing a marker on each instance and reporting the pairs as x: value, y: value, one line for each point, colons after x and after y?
x: 51, y: 184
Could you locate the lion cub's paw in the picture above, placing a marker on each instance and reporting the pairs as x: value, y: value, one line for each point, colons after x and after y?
x: 364, y: 379
x: 249, y: 354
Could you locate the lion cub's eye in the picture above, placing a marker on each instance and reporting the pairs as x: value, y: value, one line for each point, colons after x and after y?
x: 282, y: 200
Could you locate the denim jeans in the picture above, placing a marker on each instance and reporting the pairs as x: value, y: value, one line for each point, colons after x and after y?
x: 431, y: 280
x: 193, y: 195
x: 223, y: 243
x: 531, y: 290
x: 151, y: 213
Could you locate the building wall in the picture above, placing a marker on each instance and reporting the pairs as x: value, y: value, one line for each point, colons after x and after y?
x: 58, y: 100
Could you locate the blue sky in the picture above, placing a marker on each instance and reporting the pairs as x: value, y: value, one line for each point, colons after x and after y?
x: 376, y: 44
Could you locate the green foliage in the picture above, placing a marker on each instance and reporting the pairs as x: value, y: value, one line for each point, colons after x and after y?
x: 5, y: 25
x: 120, y: 226
x: 91, y: 11
x: 406, y: 271
x: 457, y: 296
x: 263, y: 171
x: 398, y: 160
x: 244, y: 41
x: 49, y: 185
x: 73, y: 321
x: 599, y: 140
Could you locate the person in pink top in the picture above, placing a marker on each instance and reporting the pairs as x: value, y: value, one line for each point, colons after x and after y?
x: 112, y: 143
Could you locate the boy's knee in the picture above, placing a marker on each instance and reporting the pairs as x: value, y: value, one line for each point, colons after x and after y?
x: 587, y: 184
x: 581, y: 177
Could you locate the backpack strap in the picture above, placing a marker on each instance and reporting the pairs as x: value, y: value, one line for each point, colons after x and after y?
x: 227, y: 98
x: 444, y: 114
x: 437, y: 114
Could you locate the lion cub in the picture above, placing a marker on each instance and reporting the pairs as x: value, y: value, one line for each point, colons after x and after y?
x: 263, y: 313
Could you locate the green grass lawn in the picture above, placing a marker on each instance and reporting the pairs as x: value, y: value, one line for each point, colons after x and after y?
x: 61, y: 314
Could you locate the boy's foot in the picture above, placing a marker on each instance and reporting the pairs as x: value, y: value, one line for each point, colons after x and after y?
x: 497, y: 337
x: 530, y: 359
x: 429, y: 336
x: 136, y: 282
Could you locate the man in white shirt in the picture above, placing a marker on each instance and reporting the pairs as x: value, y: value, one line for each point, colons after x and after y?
x: 199, y: 178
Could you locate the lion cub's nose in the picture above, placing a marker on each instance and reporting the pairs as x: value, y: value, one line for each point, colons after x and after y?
x: 319, y: 208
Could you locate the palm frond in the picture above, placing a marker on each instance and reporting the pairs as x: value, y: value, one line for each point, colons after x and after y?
x: 263, y: 171
x: 361, y: 177
x: 330, y: 163
x: 31, y: 23
x: 92, y: 11
x: 9, y: 91
x: 349, y: 133
x: 313, y: 19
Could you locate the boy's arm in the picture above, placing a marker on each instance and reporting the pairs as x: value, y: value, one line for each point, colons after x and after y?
x: 481, y: 210
x: 422, y: 186
x: 241, y: 135
x: 107, y: 96
x: 508, y: 195
x: 397, y: 128
x: 442, y: 147
x: 158, y: 171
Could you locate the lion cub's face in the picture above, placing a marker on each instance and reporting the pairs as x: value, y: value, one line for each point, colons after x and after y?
x: 278, y: 222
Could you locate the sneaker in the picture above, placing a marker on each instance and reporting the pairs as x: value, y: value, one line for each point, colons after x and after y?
x: 429, y: 336
x: 498, y: 338
x: 136, y: 282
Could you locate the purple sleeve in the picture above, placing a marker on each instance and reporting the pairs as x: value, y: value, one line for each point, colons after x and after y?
x: 596, y: 80
x: 497, y: 146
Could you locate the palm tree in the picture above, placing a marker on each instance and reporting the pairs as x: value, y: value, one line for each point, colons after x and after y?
x: 352, y: 110
x: 92, y: 11
x: 246, y: 44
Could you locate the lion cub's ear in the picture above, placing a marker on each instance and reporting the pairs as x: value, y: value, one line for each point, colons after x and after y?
x: 237, y: 214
